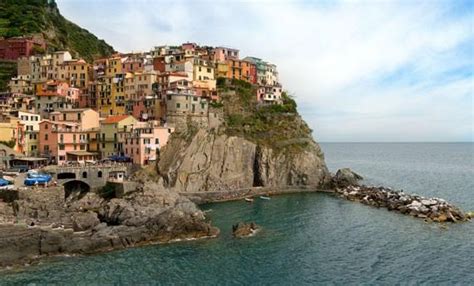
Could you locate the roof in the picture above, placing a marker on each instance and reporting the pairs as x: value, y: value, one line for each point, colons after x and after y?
x: 115, y: 119
x: 73, y: 110
x: 30, y: 159
x: 81, y: 153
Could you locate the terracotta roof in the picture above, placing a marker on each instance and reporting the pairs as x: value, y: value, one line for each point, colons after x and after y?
x: 115, y: 119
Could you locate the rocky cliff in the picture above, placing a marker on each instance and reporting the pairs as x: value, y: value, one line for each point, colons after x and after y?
x: 256, y: 146
x: 209, y: 161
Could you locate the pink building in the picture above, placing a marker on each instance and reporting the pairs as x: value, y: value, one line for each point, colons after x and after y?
x: 144, y: 141
x: 222, y: 54
x: 71, y: 135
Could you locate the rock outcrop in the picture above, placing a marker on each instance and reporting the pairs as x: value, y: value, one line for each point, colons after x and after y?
x: 210, y: 161
x: 33, y: 228
x: 243, y: 229
x: 345, y: 177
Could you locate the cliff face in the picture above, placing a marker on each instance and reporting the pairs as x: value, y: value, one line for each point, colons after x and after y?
x: 210, y: 161
x: 252, y: 145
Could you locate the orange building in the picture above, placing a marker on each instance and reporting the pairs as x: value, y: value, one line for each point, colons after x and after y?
x: 243, y: 70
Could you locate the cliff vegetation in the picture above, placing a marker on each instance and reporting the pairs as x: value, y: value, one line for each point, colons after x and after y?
x: 28, y: 17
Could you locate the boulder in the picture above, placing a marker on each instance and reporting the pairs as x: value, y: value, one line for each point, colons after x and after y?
x: 242, y: 229
x: 84, y: 221
x: 345, y: 177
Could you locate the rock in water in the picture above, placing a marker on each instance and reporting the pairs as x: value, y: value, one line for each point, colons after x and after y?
x: 345, y: 177
x: 243, y: 229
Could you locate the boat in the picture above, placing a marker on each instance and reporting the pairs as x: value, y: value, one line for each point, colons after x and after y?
x: 4, y: 182
x: 249, y: 200
x: 265, y: 198
x: 36, y: 175
x: 34, y: 178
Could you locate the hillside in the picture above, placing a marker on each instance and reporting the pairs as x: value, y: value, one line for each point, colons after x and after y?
x: 26, y: 17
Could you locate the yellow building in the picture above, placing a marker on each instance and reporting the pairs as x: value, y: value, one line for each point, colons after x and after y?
x: 203, y: 70
x: 222, y: 68
x: 110, y: 95
x: 10, y: 127
x: 111, y: 129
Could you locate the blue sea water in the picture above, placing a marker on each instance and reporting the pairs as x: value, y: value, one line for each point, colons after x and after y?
x: 311, y: 238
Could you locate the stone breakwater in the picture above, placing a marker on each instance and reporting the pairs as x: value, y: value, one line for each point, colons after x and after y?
x: 430, y: 209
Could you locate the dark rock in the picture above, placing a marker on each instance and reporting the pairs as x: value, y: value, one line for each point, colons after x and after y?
x: 242, y: 229
x: 345, y: 177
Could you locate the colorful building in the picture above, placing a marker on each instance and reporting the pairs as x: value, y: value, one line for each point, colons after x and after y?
x: 111, y: 134
x: 144, y: 141
x: 14, y: 48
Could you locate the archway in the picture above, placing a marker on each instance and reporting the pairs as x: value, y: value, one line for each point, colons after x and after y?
x: 75, y: 189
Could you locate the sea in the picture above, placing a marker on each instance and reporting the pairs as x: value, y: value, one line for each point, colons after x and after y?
x: 312, y: 238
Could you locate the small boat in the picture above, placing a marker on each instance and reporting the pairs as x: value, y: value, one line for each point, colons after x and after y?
x: 265, y: 198
x: 39, y: 180
x: 249, y: 200
x: 4, y: 182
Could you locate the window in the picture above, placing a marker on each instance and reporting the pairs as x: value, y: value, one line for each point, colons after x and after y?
x: 178, y: 105
x: 46, y: 126
x: 157, y: 141
x: 84, y: 175
x: 61, y: 146
x: 99, y: 174
x: 46, y: 137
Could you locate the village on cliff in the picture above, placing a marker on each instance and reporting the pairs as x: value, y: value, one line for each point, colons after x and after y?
x: 64, y: 111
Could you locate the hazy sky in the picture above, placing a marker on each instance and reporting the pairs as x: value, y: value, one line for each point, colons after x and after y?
x: 360, y: 70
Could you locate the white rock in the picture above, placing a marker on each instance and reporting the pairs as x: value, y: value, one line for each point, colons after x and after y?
x: 429, y: 202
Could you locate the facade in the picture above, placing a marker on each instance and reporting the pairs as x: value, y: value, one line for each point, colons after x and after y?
x: 269, y: 94
x: 112, y: 130
x: 144, y: 141
x: 59, y: 141
x: 14, y: 48
x: 21, y: 84
x: 242, y: 70
x: 51, y: 96
x: 222, y: 54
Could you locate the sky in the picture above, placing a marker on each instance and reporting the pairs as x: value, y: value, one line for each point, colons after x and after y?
x: 360, y: 71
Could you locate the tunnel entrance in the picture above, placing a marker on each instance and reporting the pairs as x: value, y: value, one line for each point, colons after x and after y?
x: 75, y: 190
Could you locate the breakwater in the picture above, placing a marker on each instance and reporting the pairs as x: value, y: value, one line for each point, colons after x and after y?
x: 430, y: 209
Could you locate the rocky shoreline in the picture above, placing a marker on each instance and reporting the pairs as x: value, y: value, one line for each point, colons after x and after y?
x: 42, y: 222
x: 430, y: 209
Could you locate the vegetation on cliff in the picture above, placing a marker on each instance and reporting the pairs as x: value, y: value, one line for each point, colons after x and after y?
x: 7, y: 71
x: 275, y: 126
x: 27, y: 17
